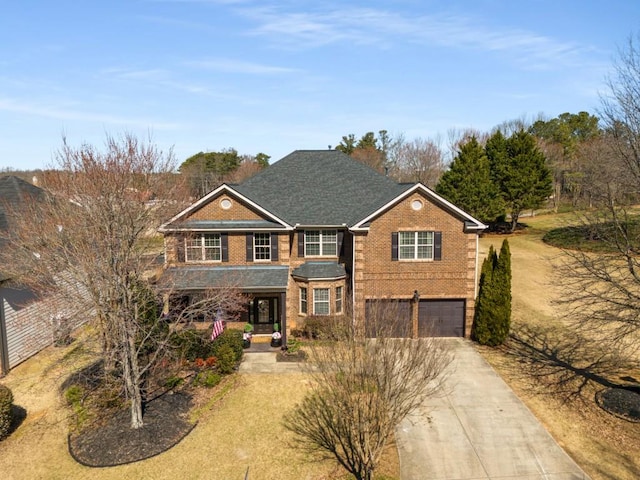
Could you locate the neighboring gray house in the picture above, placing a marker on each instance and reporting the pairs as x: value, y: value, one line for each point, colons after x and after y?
x: 26, y: 321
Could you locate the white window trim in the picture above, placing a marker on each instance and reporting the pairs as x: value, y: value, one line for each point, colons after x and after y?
x: 339, y: 300
x: 203, y: 249
x: 306, y: 301
x: 328, y: 301
x: 415, y: 246
x: 321, y: 243
x: 255, y: 248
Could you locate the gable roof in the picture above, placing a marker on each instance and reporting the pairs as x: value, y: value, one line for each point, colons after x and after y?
x: 314, y: 188
x: 470, y: 223
x: 181, y: 220
x: 320, y: 188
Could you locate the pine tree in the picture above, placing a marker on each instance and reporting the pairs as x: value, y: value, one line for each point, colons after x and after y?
x: 519, y: 169
x: 468, y: 185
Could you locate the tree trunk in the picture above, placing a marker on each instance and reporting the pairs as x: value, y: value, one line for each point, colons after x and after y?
x: 131, y: 373
x: 136, y: 408
x: 514, y: 220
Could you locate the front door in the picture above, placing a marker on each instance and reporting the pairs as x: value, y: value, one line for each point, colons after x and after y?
x: 265, y: 314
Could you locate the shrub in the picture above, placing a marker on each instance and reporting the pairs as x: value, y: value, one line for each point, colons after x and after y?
x: 197, y: 347
x: 192, y: 344
x: 172, y: 382
x: 207, y: 379
x: 232, y: 339
x: 226, y: 359
x: 317, y: 327
x: 210, y: 361
x: 293, y: 345
x: 74, y: 395
x: 6, y: 411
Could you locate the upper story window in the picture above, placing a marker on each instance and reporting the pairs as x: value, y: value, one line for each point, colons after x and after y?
x: 420, y: 245
x: 415, y: 245
x: 320, y: 243
x: 262, y: 246
x: 204, y: 248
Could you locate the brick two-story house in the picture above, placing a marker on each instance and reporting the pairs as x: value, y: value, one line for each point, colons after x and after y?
x: 318, y: 232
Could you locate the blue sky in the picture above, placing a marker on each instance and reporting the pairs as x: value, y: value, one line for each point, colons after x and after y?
x: 275, y: 76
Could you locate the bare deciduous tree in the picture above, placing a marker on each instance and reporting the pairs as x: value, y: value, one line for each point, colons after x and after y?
x: 420, y: 160
x: 92, y: 243
x: 604, y: 287
x: 363, y: 387
x: 456, y: 137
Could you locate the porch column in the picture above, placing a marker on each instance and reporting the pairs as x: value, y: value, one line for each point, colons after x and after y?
x: 283, y: 317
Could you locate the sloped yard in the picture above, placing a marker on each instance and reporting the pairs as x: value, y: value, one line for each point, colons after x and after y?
x: 239, y: 428
x: 553, y: 371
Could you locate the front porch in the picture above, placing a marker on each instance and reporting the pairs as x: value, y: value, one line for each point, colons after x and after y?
x: 264, y: 288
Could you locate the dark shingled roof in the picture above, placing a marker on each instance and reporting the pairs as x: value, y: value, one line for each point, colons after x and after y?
x: 230, y: 225
x: 318, y: 270
x: 255, y: 278
x: 13, y: 192
x: 320, y: 187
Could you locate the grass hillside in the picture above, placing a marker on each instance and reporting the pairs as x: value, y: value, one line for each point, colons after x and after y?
x: 555, y: 372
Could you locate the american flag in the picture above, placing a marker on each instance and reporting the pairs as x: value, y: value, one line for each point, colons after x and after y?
x: 217, y: 326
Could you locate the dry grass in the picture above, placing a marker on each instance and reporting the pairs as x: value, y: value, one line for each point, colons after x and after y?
x: 604, y: 446
x: 239, y: 428
x: 242, y: 428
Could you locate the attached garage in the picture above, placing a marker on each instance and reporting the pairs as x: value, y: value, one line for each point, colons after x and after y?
x: 441, y: 318
x: 393, y: 317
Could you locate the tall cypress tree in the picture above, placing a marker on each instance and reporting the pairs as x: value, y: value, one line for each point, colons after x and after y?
x: 504, y: 270
x: 480, y: 330
x: 492, y: 318
x: 468, y: 185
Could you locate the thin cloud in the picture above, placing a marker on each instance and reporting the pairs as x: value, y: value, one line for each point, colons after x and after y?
x: 174, y: 22
x: 238, y: 66
x: 159, y: 78
x: 153, y: 74
x: 58, y: 113
x: 366, y: 26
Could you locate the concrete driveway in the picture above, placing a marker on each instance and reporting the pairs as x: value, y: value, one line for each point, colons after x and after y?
x: 479, y: 429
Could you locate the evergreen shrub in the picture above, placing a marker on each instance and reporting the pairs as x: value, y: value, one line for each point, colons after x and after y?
x: 6, y: 411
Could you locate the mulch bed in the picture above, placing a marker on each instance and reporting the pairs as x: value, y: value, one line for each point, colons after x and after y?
x: 115, y: 443
x: 299, y: 356
x: 621, y: 402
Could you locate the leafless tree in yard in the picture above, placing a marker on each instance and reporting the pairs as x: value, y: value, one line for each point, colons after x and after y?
x: 420, y: 160
x: 363, y: 387
x: 93, y: 242
x: 604, y: 287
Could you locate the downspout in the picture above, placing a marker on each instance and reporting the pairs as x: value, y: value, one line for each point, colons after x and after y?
x: 475, y: 276
x: 283, y: 317
x: 353, y: 277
